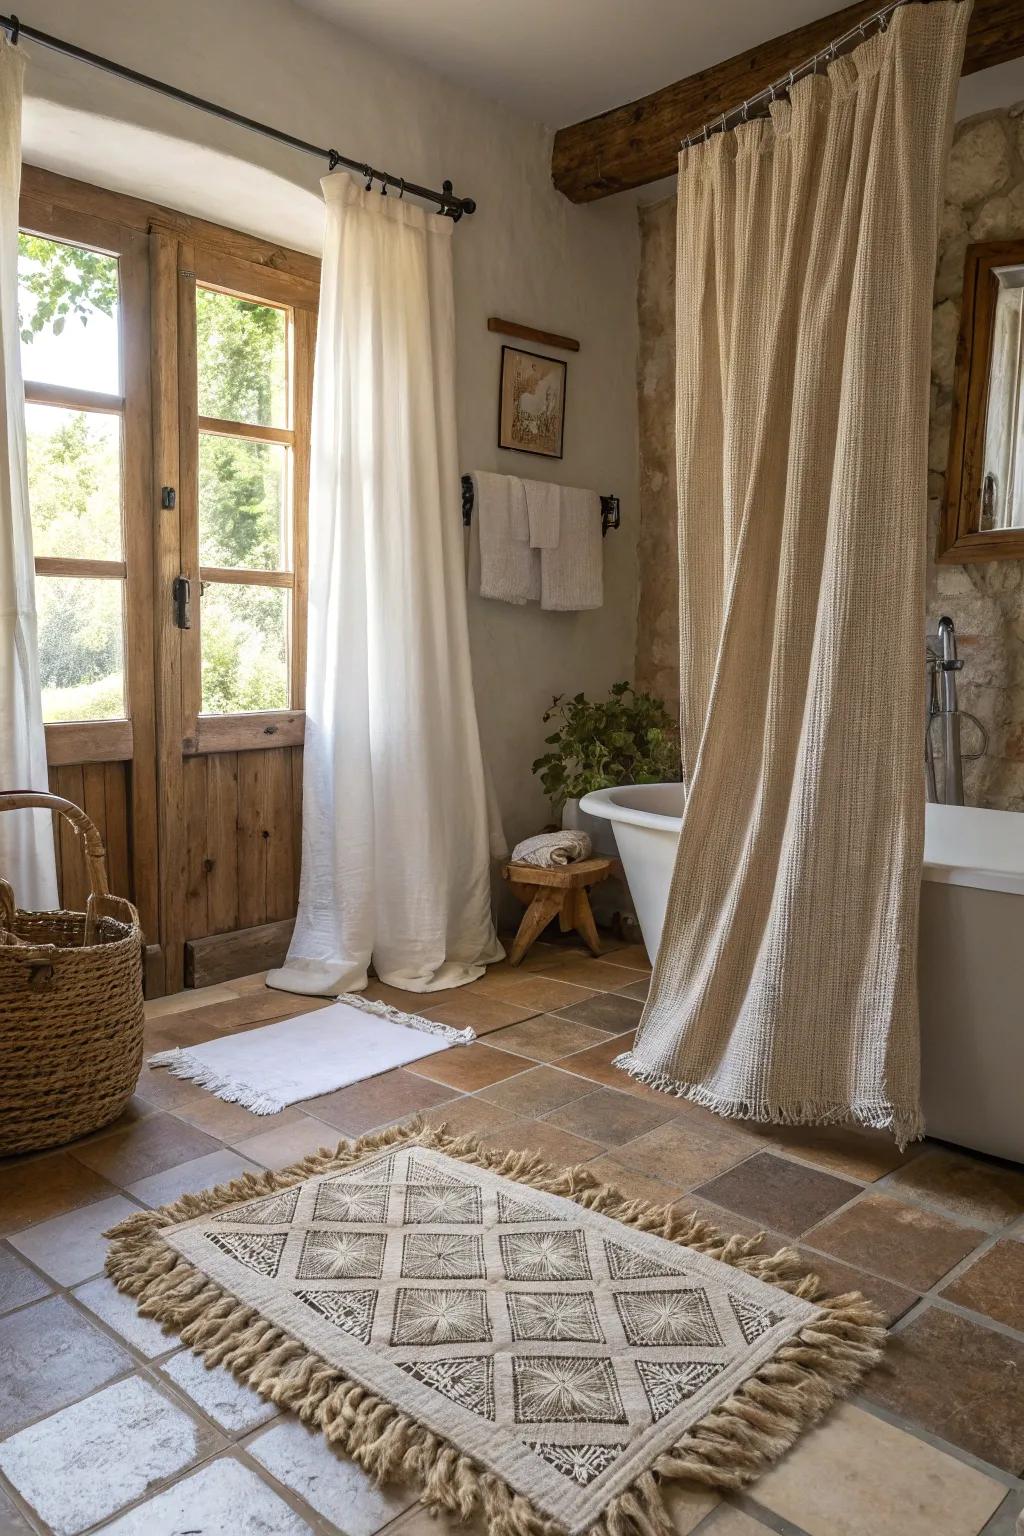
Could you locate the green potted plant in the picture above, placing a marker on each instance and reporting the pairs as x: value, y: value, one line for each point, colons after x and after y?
x: 628, y: 738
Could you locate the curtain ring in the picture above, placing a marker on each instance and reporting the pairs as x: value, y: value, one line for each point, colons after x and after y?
x: 15, y: 29
x: 401, y: 190
x: 369, y: 178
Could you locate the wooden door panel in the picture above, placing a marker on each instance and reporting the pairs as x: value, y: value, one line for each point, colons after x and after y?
x: 103, y: 791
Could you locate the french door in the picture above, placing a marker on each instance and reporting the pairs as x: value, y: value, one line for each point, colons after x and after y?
x: 168, y: 368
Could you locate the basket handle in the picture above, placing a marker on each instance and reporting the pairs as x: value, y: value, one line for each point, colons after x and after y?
x: 95, y: 853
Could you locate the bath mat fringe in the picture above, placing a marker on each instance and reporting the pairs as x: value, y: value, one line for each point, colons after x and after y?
x: 904, y: 1126
x: 184, y: 1062
x: 725, y: 1450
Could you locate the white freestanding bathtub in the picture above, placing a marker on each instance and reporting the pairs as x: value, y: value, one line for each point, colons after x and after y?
x: 971, y: 966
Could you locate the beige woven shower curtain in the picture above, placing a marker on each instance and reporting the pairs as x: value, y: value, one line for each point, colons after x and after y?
x: 785, y: 986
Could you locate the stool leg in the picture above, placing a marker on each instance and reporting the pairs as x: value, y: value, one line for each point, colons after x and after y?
x: 538, y: 914
x: 584, y: 922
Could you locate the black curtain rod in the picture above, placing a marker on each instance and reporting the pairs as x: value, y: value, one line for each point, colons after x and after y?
x: 454, y: 207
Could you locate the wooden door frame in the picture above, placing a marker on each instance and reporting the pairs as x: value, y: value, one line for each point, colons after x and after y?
x: 162, y: 250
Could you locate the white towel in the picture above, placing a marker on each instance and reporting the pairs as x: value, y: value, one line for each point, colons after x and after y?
x: 572, y: 574
x: 552, y: 850
x: 543, y: 503
x: 501, y: 563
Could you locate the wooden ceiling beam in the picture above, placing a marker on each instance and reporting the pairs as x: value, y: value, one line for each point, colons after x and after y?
x: 639, y: 143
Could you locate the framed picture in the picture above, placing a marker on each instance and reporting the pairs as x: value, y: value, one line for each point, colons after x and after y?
x: 531, y: 413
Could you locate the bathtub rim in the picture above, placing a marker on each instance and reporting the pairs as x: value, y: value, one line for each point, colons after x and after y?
x: 948, y: 830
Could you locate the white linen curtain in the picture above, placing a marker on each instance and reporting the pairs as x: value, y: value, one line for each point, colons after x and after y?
x: 785, y: 986
x: 395, y: 820
x: 26, y: 837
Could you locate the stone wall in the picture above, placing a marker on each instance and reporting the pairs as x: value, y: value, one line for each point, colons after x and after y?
x: 984, y: 201
x: 657, y: 639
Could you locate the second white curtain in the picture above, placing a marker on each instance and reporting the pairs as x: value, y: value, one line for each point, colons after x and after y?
x: 396, y: 837
x: 26, y: 837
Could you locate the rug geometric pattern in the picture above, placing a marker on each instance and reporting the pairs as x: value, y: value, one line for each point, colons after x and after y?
x: 557, y: 1346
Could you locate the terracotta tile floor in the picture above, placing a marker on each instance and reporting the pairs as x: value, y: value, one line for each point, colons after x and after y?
x: 107, y: 1424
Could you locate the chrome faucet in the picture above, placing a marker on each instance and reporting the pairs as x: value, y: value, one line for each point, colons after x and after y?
x: 943, y: 664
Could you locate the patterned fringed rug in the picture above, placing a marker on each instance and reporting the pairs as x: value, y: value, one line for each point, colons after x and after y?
x: 514, y: 1339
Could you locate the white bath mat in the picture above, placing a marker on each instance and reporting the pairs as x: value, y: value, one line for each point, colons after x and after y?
x: 314, y: 1053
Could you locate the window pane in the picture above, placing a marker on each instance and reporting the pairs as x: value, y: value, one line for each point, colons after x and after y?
x: 74, y: 483
x: 242, y: 355
x: 245, y: 648
x: 68, y: 314
x: 81, y: 648
x: 243, y: 503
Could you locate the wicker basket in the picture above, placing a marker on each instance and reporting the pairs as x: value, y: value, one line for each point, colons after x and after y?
x: 71, y: 1012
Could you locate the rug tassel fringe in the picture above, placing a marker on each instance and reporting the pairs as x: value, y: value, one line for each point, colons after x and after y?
x: 733, y: 1443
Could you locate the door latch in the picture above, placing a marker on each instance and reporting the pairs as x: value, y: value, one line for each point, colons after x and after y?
x: 181, y: 594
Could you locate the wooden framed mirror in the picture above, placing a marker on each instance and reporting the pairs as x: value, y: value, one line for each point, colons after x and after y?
x: 983, y: 515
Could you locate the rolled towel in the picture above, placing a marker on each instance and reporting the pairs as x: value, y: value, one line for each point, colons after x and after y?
x: 551, y: 850
x: 501, y: 563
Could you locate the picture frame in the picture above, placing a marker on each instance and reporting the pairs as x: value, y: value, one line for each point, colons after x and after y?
x: 531, y: 402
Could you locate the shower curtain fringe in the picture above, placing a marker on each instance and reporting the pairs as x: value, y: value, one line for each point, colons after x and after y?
x: 904, y: 1125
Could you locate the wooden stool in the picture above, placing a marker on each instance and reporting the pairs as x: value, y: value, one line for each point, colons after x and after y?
x: 561, y: 893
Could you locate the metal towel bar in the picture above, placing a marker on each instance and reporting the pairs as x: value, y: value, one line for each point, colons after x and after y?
x: 610, y: 514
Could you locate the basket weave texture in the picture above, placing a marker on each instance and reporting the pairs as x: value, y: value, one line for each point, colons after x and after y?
x: 71, y: 1007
